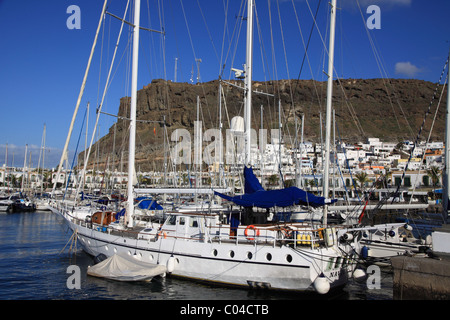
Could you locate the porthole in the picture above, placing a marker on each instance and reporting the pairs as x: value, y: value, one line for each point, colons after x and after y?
x: 268, y: 257
x: 249, y: 255
x: 289, y: 258
x: 214, y: 252
x: 115, y: 250
x: 150, y: 257
x: 129, y: 252
x: 231, y: 253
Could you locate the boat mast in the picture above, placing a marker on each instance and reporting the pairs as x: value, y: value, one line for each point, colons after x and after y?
x: 328, y: 113
x: 24, y: 169
x: 445, y: 182
x: 43, y: 158
x: 80, y: 95
x: 131, y: 148
x: 248, y: 80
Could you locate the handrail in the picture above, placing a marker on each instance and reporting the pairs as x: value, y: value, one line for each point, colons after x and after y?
x: 297, y: 235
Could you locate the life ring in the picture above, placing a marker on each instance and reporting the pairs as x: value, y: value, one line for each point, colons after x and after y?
x: 253, y: 228
x: 162, y: 234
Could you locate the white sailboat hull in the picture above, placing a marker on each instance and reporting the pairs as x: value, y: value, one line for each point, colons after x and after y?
x: 225, y: 262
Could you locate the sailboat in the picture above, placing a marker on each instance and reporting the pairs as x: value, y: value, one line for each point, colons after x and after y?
x: 224, y: 247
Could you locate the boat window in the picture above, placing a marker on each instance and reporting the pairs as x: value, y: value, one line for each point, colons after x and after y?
x: 171, y: 220
x: 338, y: 262
x: 181, y: 221
x: 379, y: 233
x: 193, y: 223
x: 330, y: 263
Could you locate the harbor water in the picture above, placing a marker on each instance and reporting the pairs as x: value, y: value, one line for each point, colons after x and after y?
x: 35, y: 262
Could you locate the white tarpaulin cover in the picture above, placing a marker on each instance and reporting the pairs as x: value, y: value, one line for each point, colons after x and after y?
x: 123, y: 268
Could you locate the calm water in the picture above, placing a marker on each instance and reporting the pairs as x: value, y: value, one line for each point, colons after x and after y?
x: 34, y: 266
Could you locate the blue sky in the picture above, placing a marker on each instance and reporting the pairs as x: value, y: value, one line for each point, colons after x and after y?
x: 42, y: 62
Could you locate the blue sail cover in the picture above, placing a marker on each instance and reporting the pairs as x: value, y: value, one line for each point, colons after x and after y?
x: 256, y: 196
x: 148, y: 203
x: 277, y: 198
x: 251, y: 182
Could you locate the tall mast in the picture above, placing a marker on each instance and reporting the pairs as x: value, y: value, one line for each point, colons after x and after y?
x: 80, y: 95
x: 248, y: 80
x: 445, y: 182
x: 131, y: 148
x: 43, y: 157
x: 329, y: 102
x: 24, y: 167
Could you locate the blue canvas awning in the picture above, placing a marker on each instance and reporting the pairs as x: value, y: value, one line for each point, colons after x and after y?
x: 256, y: 196
x: 148, y: 203
x: 277, y: 198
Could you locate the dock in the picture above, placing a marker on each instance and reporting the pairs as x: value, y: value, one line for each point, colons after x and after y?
x: 424, y: 278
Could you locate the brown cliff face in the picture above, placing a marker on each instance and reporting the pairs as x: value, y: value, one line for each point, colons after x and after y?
x: 391, y: 110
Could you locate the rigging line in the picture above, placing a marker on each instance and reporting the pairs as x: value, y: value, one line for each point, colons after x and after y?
x: 237, y: 28
x: 104, y: 92
x: 261, y: 46
x: 225, y: 28
x: 174, y: 31
x: 355, y: 119
x: 188, y: 30
x: 209, y: 33
x: 132, y: 25
x: 163, y: 39
x: 350, y: 107
x: 291, y: 107
x: 101, y: 58
x: 428, y: 139
x: 347, y: 162
x: 305, y: 56
x: 162, y: 24
x: 193, y: 51
x: 274, y: 64
x: 421, y: 127
x: 381, y: 69
x: 75, y: 154
x: 306, y: 51
x: 266, y: 69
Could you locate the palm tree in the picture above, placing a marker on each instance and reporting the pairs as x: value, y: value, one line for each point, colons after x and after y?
x: 362, y: 178
x: 273, y: 179
x: 435, y: 174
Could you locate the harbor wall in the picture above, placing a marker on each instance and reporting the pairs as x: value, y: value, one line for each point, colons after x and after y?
x: 421, y: 278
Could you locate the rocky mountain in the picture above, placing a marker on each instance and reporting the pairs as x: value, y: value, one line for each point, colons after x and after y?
x: 392, y: 110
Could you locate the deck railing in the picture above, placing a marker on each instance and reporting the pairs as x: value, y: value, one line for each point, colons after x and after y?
x: 298, y: 235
